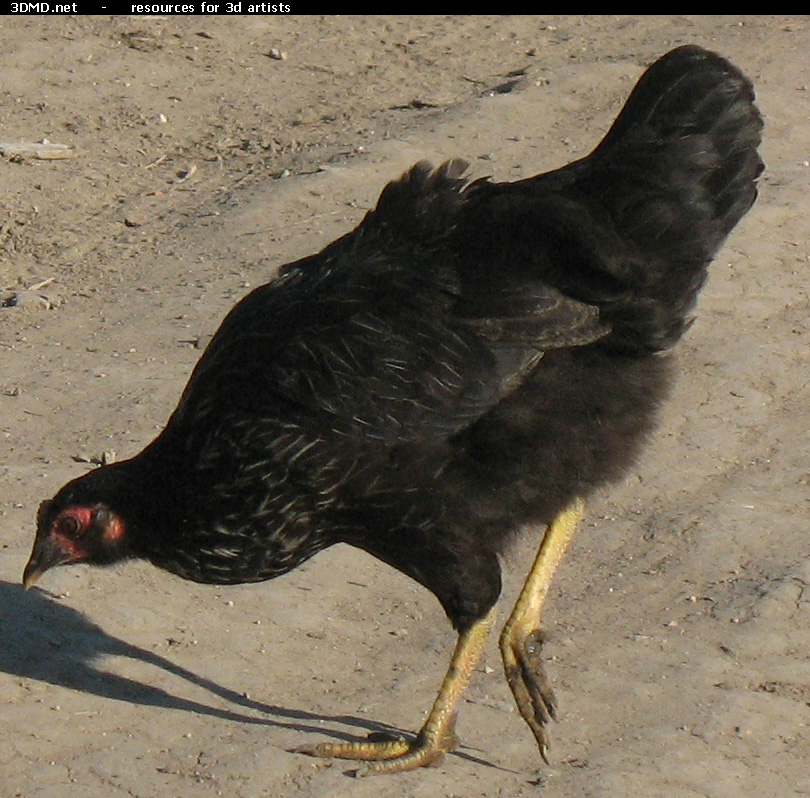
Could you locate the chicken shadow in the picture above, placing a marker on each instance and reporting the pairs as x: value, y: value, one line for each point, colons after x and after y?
x: 50, y: 642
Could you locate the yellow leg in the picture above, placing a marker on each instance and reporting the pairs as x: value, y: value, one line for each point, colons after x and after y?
x: 521, y: 640
x: 437, y: 736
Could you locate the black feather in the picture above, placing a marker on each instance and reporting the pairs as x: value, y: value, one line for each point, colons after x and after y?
x: 467, y: 361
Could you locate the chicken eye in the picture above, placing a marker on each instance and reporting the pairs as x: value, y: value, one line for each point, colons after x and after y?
x: 69, y: 525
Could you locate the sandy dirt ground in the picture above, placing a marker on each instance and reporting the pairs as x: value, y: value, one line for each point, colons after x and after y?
x: 209, y: 151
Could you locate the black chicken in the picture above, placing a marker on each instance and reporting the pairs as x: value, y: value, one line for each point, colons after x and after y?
x: 475, y: 357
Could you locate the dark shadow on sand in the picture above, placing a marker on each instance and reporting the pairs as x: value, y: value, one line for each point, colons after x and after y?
x: 45, y: 640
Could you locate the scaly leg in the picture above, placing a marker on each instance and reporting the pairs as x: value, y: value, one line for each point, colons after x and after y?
x: 437, y: 736
x: 521, y: 641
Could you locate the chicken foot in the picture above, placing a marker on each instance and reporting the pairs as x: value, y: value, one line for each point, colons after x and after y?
x: 437, y: 736
x: 521, y: 644
x: 521, y: 640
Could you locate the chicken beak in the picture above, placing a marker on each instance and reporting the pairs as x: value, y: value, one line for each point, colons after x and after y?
x: 46, y: 554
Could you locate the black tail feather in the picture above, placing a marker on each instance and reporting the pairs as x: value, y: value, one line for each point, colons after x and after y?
x: 673, y: 176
